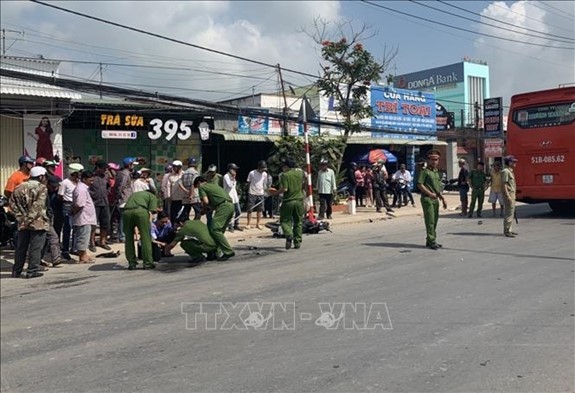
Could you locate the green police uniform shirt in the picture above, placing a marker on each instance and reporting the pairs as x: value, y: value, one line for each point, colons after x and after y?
x: 292, y: 181
x: 197, y: 229
x: 142, y: 199
x: 477, y: 179
x: 508, y: 180
x: 430, y: 179
x: 216, y: 194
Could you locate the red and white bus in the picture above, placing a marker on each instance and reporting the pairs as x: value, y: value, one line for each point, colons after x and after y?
x: 541, y: 135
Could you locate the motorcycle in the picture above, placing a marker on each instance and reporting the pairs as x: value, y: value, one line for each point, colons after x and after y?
x: 449, y: 185
x: 8, y: 224
x: 307, y: 227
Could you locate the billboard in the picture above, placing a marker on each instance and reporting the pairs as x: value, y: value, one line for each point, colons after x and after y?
x: 493, y: 147
x: 428, y: 79
x: 413, y: 113
x: 253, y: 124
x: 493, y: 116
x: 444, y: 120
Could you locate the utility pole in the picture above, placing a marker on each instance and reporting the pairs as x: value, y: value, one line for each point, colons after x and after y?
x: 101, y: 80
x: 285, y: 108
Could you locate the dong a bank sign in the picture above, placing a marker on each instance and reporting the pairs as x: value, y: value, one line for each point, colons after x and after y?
x: 428, y: 79
x: 402, y: 110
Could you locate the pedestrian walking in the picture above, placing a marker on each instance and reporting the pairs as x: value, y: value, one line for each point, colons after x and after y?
x: 99, y: 194
x: 509, y: 190
x: 496, y: 189
x: 65, y: 194
x: 216, y: 198
x: 380, y: 189
x: 138, y: 214
x: 463, y: 185
x: 190, y: 199
x: 230, y: 186
x: 477, y: 182
x: 326, y: 188
x: 28, y: 202
x: 292, y: 183
x: 83, y: 216
x: 429, y: 183
x: 257, y: 180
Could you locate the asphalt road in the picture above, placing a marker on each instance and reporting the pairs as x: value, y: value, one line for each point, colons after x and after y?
x: 484, y: 314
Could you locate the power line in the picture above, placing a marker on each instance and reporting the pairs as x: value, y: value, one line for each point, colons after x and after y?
x: 534, y: 4
x: 460, y: 28
x: 168, y: 38
x: 495, y: 4
x: 496, y: 20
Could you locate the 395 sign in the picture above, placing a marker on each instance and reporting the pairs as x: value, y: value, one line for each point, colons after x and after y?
x: 170, y: 128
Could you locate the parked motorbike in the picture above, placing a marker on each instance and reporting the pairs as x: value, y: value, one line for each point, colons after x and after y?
x: 8, y: 224
x: 307, y: 227
x: 449, y: 185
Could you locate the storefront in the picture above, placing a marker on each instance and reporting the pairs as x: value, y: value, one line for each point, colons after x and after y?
x: 112, y: 131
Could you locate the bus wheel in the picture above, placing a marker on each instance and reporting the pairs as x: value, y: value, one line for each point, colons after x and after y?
x: 563, y: 207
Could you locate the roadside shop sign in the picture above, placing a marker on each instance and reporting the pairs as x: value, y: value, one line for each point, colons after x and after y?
x: 114, y: 134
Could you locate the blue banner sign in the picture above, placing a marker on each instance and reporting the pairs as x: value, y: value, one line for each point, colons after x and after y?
x: 256, y: 124
x: 411, y: 112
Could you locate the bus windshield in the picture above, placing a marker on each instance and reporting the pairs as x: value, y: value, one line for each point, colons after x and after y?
x: 549, y: 115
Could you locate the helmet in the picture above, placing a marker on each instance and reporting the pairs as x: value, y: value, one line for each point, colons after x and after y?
x: 262, y: 164
x: 127, y: 161
x: 323, y: 161
x: 75, y: 167
x: 50, y: 163
x: 192, y: 161
x: 176, y: 163
x: 40, y: 161
x: 25, y: 159
x: 231, y: 165
x: 212, y: 168
x: 37, y: 171
x: 114, y: 166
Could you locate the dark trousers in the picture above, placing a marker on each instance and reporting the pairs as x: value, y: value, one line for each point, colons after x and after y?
x: 175, y: 207
x: 185, y: 215
x: 157, y: 251
x: 29, y: 243
x: 325, y: 201
x: 52, y: 245
x: 269, y: 207
x: 401, y: 196
x: 66, y: 227
x: 380, y: 196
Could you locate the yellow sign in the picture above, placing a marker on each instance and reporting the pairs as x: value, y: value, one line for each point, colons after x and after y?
x: 109, y: 119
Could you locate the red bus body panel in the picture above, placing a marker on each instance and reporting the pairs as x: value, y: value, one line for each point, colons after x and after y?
x: 546, y: 167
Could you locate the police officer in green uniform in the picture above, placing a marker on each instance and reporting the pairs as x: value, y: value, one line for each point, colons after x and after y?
x: 509, y: 193
x: 477, y: 181
x: 138, y: 214
x: 429, y: 183
x: 196, y: 240
x: 217, y: 199
x: 291, y: 210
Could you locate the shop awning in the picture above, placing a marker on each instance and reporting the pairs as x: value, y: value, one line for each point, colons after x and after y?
x: 234, y: 136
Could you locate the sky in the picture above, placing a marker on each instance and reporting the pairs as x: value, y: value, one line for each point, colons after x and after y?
x: 274, y: 32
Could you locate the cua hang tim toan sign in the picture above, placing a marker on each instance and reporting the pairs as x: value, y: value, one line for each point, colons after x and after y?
x: 408, y: 112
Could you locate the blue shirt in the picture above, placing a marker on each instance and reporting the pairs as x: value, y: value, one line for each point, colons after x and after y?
x: 158, y: 233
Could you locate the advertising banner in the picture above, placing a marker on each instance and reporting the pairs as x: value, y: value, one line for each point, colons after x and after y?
x: 412, y: 112
x: 444, y: 120
x: 428, y: 79
x: 253, y: 124
x: 493, y: 117
x: 493, y: 147
x: 43, y: 138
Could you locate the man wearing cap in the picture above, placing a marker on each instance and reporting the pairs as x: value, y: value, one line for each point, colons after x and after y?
x: 217, y: 199
x: 99, y: 194
x: 144, y: 182
x: 55, y: 214
x: 18, y: 177
x: 405, y: 175
x: 292, y: 183
x: 477, y: 182
x: 28, y: 202
x: 326, y: 187
x: 189, y: 197
x: 164, y: 189
x: 509, y: 190
x: 463, y: 185
x: 230, y: 183
x: 257, y: 180
x: 123, y: 190
x: 196, y: 241
x: 65, y: 195
x: 83, y: 216
x: 429, y: 183
x: 138, y: 214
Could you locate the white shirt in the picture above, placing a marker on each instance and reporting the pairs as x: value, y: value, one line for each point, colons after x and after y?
x: 405, y: 176
x: 142, y: 185
x: 258, y: 180
x: 66, y: 189
x: 230, y: 187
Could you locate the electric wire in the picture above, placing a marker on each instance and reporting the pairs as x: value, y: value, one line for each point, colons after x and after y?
x: 560, y: 14
x: 499, y: 21
x: 460, y: 28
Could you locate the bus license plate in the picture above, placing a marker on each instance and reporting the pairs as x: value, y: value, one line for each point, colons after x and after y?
x: 547, y: 179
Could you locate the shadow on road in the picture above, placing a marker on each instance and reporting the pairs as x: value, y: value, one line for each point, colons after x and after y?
x: 473, y: 234
x: 395, y: 245
x: 512, y: 254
